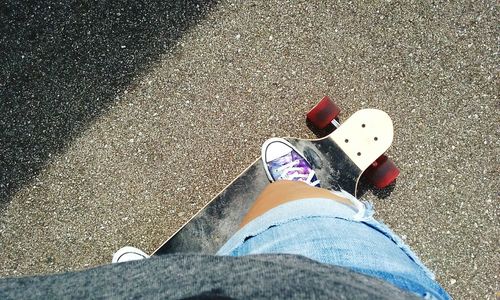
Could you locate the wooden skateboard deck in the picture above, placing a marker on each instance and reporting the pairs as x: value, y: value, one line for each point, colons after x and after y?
x: 338, y: 159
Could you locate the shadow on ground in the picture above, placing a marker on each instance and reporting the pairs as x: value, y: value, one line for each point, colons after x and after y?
x: 64, y: 63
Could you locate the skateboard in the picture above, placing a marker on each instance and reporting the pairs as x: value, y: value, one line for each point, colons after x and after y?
x: 339, y: 160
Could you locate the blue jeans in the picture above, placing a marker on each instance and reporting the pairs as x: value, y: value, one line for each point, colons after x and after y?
x: 334, y: 233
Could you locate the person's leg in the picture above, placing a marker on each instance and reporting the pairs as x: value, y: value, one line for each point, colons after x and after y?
x: 330, y: 227
x: 281, y: 192
x: 333, y: 233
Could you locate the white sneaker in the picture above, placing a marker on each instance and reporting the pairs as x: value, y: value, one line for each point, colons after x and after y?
x: 284, y: 162
x: 128, y: 253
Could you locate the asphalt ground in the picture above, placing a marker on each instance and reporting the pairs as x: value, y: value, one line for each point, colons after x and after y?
x: 119, y: 121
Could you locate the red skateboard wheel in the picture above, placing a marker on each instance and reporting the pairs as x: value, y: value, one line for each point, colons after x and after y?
x: 323, y: 113
x: 382, y: 172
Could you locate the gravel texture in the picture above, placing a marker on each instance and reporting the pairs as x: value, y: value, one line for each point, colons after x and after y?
x: 119, y: 121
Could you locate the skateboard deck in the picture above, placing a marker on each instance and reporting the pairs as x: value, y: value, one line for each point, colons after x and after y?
x: 338, y: 159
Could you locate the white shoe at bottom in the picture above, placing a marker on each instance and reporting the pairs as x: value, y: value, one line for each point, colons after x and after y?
x: 128, y: 253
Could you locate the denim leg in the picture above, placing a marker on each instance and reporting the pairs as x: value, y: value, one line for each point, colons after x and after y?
x: 336, y: 234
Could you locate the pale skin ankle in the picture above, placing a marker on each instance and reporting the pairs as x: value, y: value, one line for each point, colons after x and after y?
x: 283, y: 191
